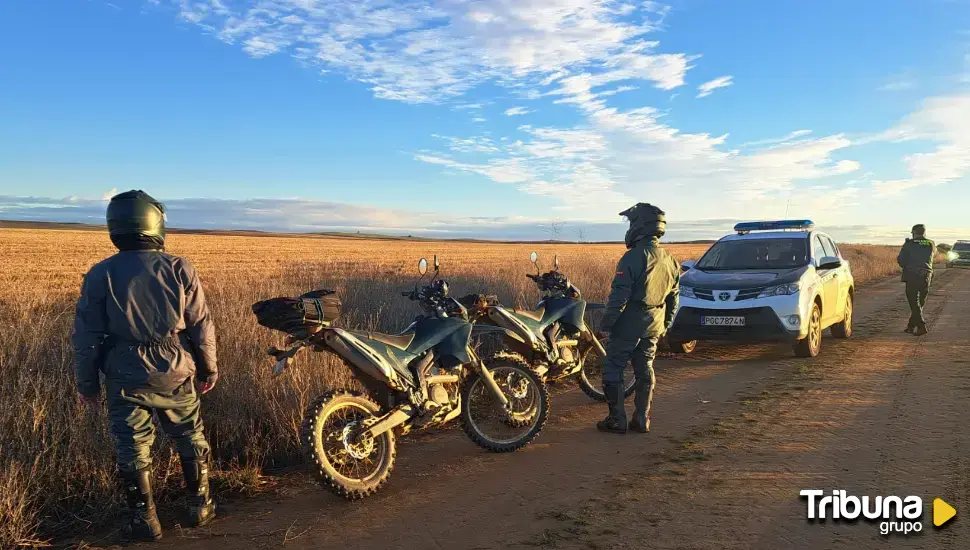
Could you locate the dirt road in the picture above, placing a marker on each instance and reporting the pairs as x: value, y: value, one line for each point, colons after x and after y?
x: 738, y: 432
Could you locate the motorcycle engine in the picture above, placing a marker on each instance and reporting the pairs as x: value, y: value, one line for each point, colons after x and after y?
x: 439, y: 395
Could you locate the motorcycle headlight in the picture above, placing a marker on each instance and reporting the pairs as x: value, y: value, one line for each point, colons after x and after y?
x: 780, y: 290
x: 687, y: 292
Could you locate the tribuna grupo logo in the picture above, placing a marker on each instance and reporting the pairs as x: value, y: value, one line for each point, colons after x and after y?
x: 901, y: 515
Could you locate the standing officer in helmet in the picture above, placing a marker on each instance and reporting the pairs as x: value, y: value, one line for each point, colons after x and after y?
x: 640, y: 309
x: 142, y: 320
x: 916, y: 259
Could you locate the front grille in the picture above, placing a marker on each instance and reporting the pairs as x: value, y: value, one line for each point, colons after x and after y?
x: 704, y: 294
x: 750, y: 293
x: 746, y: 294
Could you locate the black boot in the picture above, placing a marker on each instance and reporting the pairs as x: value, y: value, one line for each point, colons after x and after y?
x: 615, y: 422
x: 642, y: 400
x: 909, y: 330
x: 200, y: 507
x: 141, y: 522
x: 920, y: 331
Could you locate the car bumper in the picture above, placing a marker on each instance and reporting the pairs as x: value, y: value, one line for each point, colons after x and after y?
x: 766, y: 320
x: 961, y: 262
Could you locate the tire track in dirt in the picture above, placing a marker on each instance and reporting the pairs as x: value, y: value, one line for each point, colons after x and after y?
x: 446, y: 493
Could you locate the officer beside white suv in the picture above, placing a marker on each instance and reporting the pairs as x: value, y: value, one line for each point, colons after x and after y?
x: 770, y: 282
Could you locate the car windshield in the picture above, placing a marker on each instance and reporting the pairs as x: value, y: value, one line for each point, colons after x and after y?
x: 963, y: 247
x: 780, y: 253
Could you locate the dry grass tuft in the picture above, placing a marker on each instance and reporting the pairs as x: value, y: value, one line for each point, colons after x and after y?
x: 56, y: 461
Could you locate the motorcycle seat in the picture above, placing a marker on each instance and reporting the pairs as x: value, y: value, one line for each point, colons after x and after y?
x: 399, y: 341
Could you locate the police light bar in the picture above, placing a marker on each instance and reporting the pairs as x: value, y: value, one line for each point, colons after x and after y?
x: 782, y: 225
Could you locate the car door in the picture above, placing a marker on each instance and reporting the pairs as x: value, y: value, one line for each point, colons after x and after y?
x: 828, y: 278
x: 840, y: 275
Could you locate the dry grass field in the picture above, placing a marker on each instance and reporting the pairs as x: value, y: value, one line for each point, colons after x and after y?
x: 56, y: 460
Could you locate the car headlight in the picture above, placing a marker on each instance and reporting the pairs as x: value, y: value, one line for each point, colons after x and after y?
x: 951, y: 255
x: 687, y: 292
x: 780, y: 290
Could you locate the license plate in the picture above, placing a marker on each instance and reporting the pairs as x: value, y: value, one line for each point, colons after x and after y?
x: 722, y: 321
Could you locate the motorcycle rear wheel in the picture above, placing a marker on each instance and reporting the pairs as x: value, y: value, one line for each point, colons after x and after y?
x: 350, y: 468
x: 591, y: 375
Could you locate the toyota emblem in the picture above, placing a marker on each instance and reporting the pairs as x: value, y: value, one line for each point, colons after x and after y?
x: 724, y: 296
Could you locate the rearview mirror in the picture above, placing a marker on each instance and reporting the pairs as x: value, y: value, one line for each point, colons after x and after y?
x: 830, y: 262
x: 687, y: 265
x: 423, y: 266
x: 555, y: 263
x: 533, y: 257
x: 437, y: 265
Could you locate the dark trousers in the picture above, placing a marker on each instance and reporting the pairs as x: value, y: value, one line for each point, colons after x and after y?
x: 640, y: 352
x: 130, y: 413
x: 916, y: 292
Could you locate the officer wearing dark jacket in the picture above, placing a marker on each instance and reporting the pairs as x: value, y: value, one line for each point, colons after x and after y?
x: 143, y: 323
x: 916, y: 259
x: 641, y: 306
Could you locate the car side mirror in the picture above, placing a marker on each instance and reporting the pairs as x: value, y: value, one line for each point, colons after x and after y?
x: 830, y: 262
x: 687, y: 265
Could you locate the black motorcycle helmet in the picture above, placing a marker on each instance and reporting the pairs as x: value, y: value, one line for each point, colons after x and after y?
x: 136, y: 221
x: 646, y: 220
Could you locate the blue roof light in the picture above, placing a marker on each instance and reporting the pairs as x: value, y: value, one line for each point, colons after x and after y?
x: 782, y: 225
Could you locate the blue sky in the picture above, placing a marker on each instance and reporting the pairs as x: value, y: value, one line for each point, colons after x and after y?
x: 490, y: 118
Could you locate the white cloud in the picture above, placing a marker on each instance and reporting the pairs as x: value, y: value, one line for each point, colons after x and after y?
x: 515, y: 111
x: 708, y: 87
x: 898, y: 84
x: 578, y: 54
x: 306, y: 216
x: 469, y: 145
x: 773, y: 141
x: 108, y: 194
x: 943, y: 121
x: 425, y: 51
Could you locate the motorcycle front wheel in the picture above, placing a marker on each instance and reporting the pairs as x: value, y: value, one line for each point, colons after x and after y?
x: 492, y: 426
x: 348, y: 465
x: 591, y: 375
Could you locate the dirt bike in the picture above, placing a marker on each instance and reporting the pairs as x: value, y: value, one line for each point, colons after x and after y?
x: 423, y: 377
x: 553, y: 339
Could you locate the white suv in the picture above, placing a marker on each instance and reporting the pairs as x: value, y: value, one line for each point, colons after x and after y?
x: 771, y: 282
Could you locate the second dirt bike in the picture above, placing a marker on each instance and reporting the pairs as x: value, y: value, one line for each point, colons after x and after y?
x: 425, y: 376
x: 553, y: 339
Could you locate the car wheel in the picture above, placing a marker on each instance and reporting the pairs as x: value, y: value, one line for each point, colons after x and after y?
x: 812, y: 343
x: 844, y: 329
x: 682, y: 347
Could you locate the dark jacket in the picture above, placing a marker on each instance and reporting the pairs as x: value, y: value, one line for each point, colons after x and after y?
x: 645, y: 292
x: 916, y: 259
x: 143, y: 321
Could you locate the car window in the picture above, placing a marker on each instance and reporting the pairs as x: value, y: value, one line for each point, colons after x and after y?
x: 780, y: 253
x: 819, y: 249
x: 962, y: 246
x: 829, y: 247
